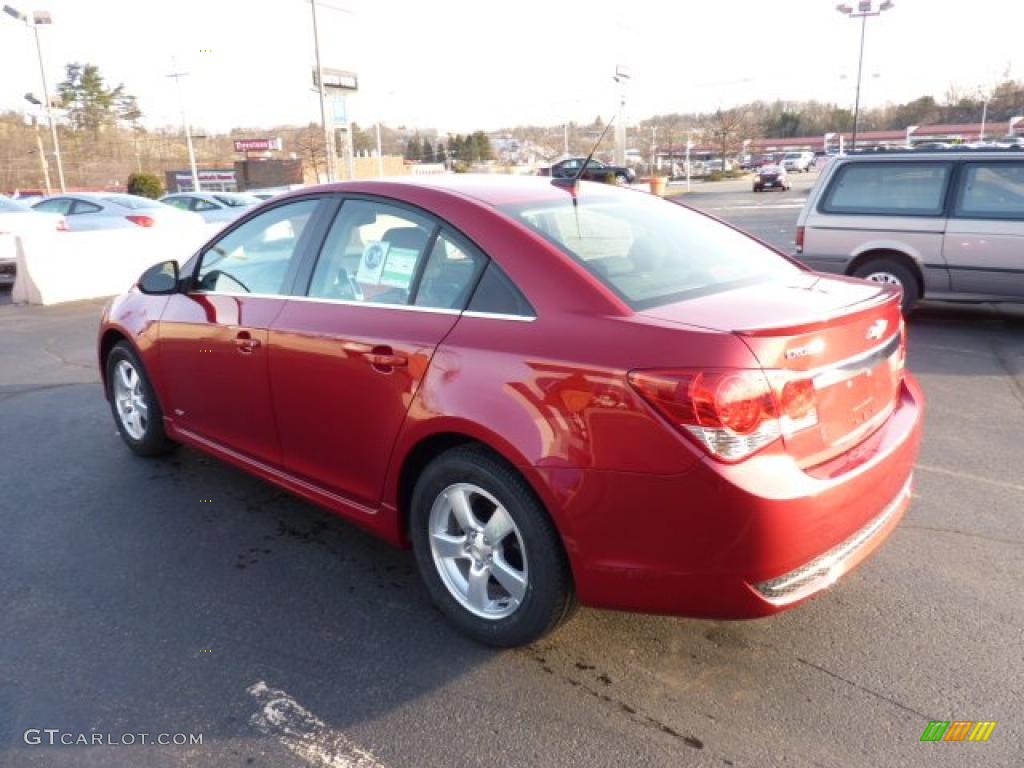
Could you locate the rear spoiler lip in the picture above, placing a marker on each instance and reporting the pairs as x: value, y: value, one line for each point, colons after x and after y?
x: 891, y: 296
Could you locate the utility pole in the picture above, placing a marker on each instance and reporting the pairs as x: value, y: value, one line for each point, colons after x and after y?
x: 188, y: 131
x: 42, y: 157
x: 328, y: 143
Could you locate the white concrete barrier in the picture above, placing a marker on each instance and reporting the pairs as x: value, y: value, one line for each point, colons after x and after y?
x: 70, y: 266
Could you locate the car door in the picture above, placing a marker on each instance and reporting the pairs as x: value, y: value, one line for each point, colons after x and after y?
x: 213, y: 343
x: 984, y: 242
x: 346, y: 361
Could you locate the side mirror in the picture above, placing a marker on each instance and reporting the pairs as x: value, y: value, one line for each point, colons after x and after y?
x: 160, y: 279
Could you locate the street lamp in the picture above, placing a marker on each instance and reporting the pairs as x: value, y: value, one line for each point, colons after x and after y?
x: 39, y: 18
x: 864, y: 9
x: 188, y: 131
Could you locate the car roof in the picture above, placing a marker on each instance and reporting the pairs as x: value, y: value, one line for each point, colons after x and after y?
x: 492, y: 189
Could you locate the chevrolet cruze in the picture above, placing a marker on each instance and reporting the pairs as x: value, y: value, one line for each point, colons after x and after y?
x: 555, y: 393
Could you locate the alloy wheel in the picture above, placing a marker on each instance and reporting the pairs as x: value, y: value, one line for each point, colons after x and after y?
x: 130, y: 399
x: 478, y: 551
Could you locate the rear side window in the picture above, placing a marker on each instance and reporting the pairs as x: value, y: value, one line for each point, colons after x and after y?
x: 450, y: 274
x: 888, y: 189
x: 81, y: 206
x: 496, y: 294
x: 991, y: 191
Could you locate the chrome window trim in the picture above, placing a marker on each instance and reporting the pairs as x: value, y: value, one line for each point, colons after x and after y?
x: 376, y: 304
x: 499, y: 316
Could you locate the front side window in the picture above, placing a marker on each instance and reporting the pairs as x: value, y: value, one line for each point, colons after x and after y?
x: 991, y: 191
x: 182, y: 203
x: 889, y: 189
x: 199, y: 204
x: 254, y: 257
x: 648, y: 250
x: 373, y: 254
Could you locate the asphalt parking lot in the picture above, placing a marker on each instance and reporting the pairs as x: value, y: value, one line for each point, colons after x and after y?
x: 182, y: 596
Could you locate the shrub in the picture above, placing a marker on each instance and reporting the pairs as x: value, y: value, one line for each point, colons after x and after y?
x: 145, y: 185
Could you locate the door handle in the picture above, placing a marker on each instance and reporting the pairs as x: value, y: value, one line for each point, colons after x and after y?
x: 382, y: 357
x: 246, y: 343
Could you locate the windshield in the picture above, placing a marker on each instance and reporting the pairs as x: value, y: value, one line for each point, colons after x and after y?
x: 235, y: 200
x: 133, y: 202
x: 648, y: 250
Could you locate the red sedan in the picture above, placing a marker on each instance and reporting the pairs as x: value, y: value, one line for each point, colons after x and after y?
x: 551, y: 393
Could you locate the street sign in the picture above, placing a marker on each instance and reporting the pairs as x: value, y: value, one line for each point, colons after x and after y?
x: 257, y: 145
x: 337, y: 80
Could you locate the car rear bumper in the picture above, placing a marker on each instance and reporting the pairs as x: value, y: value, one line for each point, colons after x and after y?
x: 737, y: 541
x: 835, y: 265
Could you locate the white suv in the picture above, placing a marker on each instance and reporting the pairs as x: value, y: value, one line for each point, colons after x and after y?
x: 798, y: 162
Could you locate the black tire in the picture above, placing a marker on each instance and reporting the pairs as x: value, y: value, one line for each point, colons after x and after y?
x: 153, y: 440
x: 897, y: 269
x: 548, y: 599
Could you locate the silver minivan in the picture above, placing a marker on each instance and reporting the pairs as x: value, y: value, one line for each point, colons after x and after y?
x: 941, y: 224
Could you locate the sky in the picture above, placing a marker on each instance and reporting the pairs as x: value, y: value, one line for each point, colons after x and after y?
x: 458, y: 65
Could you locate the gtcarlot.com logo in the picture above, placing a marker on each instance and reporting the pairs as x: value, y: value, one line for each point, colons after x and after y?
x: 53, y: 737
x: 958, y: 730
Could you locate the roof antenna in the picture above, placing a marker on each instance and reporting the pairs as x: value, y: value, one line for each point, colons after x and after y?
x: 574, y: 181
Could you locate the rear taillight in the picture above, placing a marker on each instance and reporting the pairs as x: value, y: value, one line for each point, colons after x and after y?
x: 730, y: 413
x: 799, y: 239
x: 62, y: 225
x: 142, y: 221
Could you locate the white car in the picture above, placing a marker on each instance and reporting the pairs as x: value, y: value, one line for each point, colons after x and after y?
x: 88, y: 211
x: 18, y: 219
x: 212, y: 206
x: 798, y: 162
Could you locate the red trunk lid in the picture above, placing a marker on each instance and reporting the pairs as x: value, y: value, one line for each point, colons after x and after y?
x: 843, y: 335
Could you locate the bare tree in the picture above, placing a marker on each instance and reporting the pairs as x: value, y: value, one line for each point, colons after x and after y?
x: 726, y: 129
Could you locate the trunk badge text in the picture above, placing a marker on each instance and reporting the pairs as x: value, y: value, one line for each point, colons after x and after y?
x: 816, y: 347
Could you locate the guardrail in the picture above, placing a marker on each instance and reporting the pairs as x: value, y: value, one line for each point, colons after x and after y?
x: 70, y: 266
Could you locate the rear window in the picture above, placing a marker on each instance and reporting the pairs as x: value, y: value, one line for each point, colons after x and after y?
x: 10, y: 205
x: 888, y: 189
x: 133, y: 202
x: 650, y: 251
x: 991, y: 191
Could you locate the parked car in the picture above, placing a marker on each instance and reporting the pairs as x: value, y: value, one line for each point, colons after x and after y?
x: 797, y: 162
x: 596, y: 171
x: 771, y: 177
x: 86, y: 211
x: 213, y: 206
x: 418, y: 356
x: 16, y: 218
x: 945, y: 225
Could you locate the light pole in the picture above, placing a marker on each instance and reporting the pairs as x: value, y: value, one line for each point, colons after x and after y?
x: 910, y: 130
x: 39, y: 18
x: 864, y: 9
x: 620, y: 77
x: 188, y: 131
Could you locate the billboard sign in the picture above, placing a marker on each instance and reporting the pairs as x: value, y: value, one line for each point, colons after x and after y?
x: 337, y: 80
x: 257, y: 145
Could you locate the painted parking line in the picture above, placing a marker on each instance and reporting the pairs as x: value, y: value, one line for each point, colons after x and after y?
x: 968, y: 476
x: 304, y: 734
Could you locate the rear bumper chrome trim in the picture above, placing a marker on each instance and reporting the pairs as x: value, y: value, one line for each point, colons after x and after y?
x: 825, y: 570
